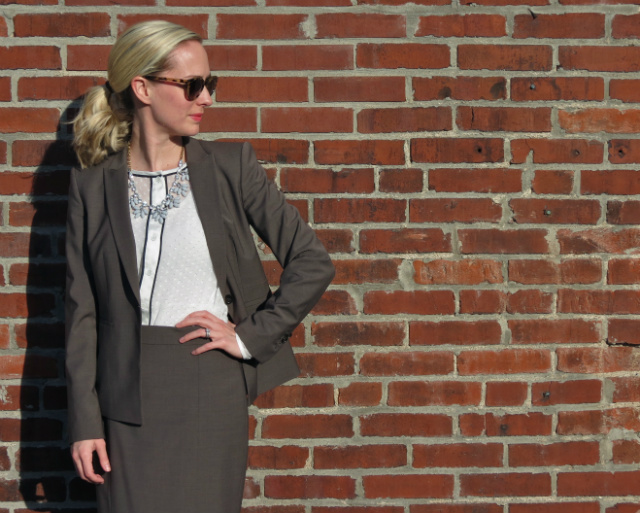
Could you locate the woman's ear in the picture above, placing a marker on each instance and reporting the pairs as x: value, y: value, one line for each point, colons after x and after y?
x: 140, y: 90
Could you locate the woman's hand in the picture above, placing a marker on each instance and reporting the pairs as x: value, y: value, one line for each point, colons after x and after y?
x: 223, y: 334
x: 82, y: 454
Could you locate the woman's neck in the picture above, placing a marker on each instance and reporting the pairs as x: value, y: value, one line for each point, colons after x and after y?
x: 154, y: 154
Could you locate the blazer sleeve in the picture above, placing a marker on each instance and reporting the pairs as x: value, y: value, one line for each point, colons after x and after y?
x: 307, y: 268
x: 85, y: 419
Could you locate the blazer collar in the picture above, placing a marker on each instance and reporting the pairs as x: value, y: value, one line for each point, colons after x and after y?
x: 203, y: 178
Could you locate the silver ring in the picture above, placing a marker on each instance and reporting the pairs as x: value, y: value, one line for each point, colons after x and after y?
x: 207, y: 333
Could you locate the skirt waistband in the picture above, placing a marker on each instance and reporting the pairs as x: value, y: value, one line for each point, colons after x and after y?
x: 168, y: 335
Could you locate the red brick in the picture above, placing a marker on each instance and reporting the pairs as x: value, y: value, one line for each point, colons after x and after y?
x: 26, y: 305
x: 454, y: 332
x: 251, y: 488
x: 327, y: 180
x: 421, y: 302
x: 360, y: 394
x: 331, y: 334
x: 262, y: 89
x: 404, y: 120
x: 15, y: 397
x: 496, y: 241
x: 335, y: 302
x: 368, y: 25
x: 530, y: 424
x: 230, y: 119
x: 324, y: 57
x: 627, y: 90
x: 307, y: 120
x: 624, y: 331
x: 506, y: 393
x: 457, y: 455
x: 38, y: 275
x: 360, y: 456
x: 5, y: 89
x: 3, y: 152
x: 568, y: 271
x: 296, y: 396
x: 377, y: 152
x: 210, y: 3
x: 403, y: 2
x: 549, y: 151
x: 599, y: 120
x: 623, y: 271
x: 560, y: 507
x: 322, y: 364
x: 600, y: 58
x: 529, y: 302
x: 401, y: 180
x: 359, y: 89
x: 408, y: 486
x: 366, y: 271
x: 505, y: 57
x: 29, y: 57
x: 408, y: 240
x: 87, y: 57
x: 457, y: 272
x: 557, y: 88
x: 547, y: 181
x: 336, y: 240
x: 599, y: 240
x: 441, y: 393
x: 402, y: 55
x: 109, y: 2
x: 504, y: 2
x: 42, y: 213
x: 30, y: 430
x: 505, y: 485
x: 549, y: 211
x: 623, y: 212
x: 459, y: 88
x: 42, y: 153
x: 568, y: 392
x: 406, y: 424
x: 570, y: 25
x: 307, y: 3
x: 27, y: 367
x: 625, y: 26
x: 233, y: 58
x: 307, y: 426
x: 5, y: 335
x: 624, y: 151
x: 625, y: 389
x: 493, y: 119
x: 282, y: 151
x: 457, y: 150
x: 62, y: 25
x: 589, y: 484
x: 197, y: 23
x: 20, y: 244
x: 605, y: 302
x: 357, y: 509
x: 417, y: 363
x: 309, y: 487
x: 482, y: 301
x: 597, y: 421
x: 550, y: 331
x: 55, y: 88
x: 594, y: 360
x: 619, y: 182
x: 359, y: 210
x: 460, y: 210
x: 44, y: 335
x: 470, y: 25
x: 457, y: 508
x: 286, y: 457
x: 506, y: 361
x: 626, y: 451
x: 475, y: 180
x: 623, y: 507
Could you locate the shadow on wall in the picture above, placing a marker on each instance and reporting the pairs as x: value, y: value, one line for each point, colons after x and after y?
x: 47, y: 480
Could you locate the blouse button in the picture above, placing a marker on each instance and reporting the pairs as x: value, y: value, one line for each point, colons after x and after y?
x: 228, y: 299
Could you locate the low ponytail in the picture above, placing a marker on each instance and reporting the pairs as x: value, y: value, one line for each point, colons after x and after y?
x: 102, y: 126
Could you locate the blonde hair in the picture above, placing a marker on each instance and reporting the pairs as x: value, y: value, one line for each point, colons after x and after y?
x: 103, y: 124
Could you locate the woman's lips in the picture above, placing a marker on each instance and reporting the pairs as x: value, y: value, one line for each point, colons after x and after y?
x: 196, y: 117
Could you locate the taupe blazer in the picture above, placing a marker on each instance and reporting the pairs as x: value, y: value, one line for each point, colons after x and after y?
x: 103, y: 319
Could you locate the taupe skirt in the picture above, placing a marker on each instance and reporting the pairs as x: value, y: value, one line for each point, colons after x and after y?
x: 190, y: 453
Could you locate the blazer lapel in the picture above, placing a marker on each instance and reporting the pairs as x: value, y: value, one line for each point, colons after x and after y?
x: 203, y: 175
x: 117, y: 199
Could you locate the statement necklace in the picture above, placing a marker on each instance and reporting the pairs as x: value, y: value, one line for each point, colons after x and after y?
x: 159, y: 211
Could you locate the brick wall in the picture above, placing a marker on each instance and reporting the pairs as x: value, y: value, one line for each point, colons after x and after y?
x: 472, y: 168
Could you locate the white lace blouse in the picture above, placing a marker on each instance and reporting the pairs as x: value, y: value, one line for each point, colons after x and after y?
x: 174, y: 265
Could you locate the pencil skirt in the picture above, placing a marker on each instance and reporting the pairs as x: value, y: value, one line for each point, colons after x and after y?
x: 190, y: 453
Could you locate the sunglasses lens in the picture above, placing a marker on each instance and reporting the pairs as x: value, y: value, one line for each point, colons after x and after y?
x: 194, y: 88
x: 210, y: 83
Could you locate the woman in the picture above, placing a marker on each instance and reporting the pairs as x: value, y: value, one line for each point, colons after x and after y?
x: 171, y: 327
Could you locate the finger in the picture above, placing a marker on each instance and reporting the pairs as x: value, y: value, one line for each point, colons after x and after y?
x: 199, y: 333
x: 206, y: 347
x: 194, y: 317
x: 78, y: 463
x: 101, y: 450
x: 87, y: 466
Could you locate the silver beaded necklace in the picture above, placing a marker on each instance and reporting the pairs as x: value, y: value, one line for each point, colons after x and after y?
x: 158, y: 212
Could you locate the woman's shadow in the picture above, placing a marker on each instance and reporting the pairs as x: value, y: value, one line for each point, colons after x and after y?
x: 46, y: 477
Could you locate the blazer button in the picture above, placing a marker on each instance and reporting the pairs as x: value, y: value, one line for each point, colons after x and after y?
x: 228, y: 299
